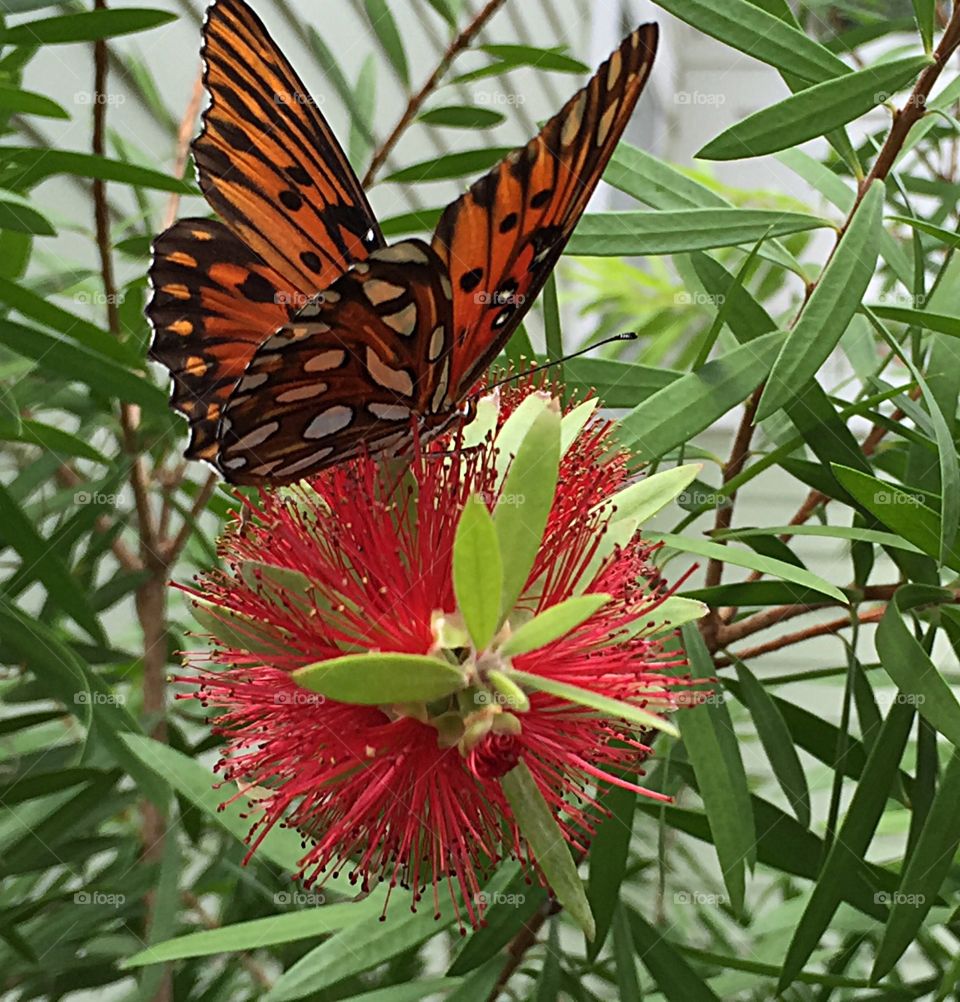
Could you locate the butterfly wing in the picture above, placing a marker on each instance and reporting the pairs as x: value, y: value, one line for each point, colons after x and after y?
x: 268, y: 162
x: 350, y: 371
x: 213, y: 302
x: 500, y: 240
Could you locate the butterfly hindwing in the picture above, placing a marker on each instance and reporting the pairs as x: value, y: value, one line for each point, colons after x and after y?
x: 501, y: 239
x: 268, y: 162
x: 213, y: 302
x: 348, y: 372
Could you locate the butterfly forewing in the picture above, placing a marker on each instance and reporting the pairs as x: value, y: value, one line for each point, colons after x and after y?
x: 352, y: 370
x: 502, y: 238
x: 268, y: 162
x: 213, y: 301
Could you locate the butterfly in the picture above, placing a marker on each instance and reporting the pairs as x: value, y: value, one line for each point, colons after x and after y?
x: 295, y: 336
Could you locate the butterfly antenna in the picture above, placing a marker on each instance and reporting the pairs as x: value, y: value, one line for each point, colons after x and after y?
x: 626, y: 336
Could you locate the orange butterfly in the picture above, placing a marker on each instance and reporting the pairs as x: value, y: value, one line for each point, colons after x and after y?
x: 295, y: 336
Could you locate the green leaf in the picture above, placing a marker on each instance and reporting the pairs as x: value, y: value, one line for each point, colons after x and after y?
x: 29, y: 165
x: 949, y: 237
x: 260, y: 933
x: 365, y: 100
x: 911, y: 668
x: 848, y: 849
x: 195, y: 782
x: 897, y: 509
x: 924, y: 873
x: 609, y: 851
x: 814, y: 111
x: 78, y: 363
x: 26, y: 102
x: 45, y: 562
x: 621, y: 234
x: 641, y: 501
x: 85, y: 27
x: 603, y: 704
x: 50, y: 438
x: 829, y: 309
x: 385, y: 28
x: 23, y: 219
x: 708, y: 736
x: 672, y: 975
x: 942, y: 323
x: 529, y: 55
x: 478, y: 572
x: 775, y: 738
x: 552, y: 624
x: 376, y: 678
x: 754, y: 561
x: 671, y: 614
x: 675, y: 414
x: 748, y: 28
x: 525, y: 500
x: 421, y: 221
x: 452, y: 165
x: 540, y: 829
x: 462, y: 117
x: 619, y: 384
x: 925, y: 12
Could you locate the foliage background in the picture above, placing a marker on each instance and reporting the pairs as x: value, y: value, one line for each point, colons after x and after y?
x: 817, y: 854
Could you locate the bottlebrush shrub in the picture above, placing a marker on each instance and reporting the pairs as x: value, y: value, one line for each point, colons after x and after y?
x: 425, y: 668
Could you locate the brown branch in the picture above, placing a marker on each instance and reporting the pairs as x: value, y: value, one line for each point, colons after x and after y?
x: 172, y: 548
x: 184, y: 135
x: 521, y: 943
x: 433, y: 81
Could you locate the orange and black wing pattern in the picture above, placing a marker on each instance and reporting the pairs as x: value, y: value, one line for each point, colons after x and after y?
x: 213, y: 302
x: 501, y: 239
x: 268, y: 162
x: 351, y: 371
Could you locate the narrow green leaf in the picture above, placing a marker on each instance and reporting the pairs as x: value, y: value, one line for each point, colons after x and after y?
x: 603, y: 704
x: 942, y: 323
x: 619, y: 384
x: 385, y: 28
x: 748, y: 28
x: 925, y: 12
x: 852, y: 840
x: 548, y: 984
x: 452, y: 165
x: 553, y: 334
x: 911, y: 668
x: 641, y: 501
x: 609, y: 851
x: 52, y: 439
x: 670, y: 972
x: 949, y: 237
x: 925, y: 871
x: 196, y: 782
x: 552, y: 624
x: 478, y: 572
x: 675, y: 414
x: 18, y: 532
x: 539, y: 827
x: 85, y: 27
x: 530, y: 55
x: 775, y: 738
x: 707, y: 733
x: 672, y: 613
x: 260, y: 933
x: 830, y: 307
x: 899, y: 510
x: 621, y: 234
x: 814, y: 111
x: 376, y: 678
x: 525, y: 500
x: 754, y: 561
x: 365, y: 100
x: 24, y: 219
x: 29, y: 165
x: 462, y: 117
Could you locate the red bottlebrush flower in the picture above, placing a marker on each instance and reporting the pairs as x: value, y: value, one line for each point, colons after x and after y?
x: 359, y: 560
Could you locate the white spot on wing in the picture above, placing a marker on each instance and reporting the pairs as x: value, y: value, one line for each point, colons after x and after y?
x: 404, y: 322
x: 393, y: 379
x: 378, y: 291
x: 441, y: 390
x: 571, y: 125
x: 302, y: 393
x: 252, y: 381
x: 256, y: 437
x: 402, y: 253
x: 302, y: 464
x: 389, y: 412
x: 329, y: 422
x: 603, y: 130
x: 236, y: 463
x: 437, y: 340
x: 613, y: 70
x: 325, y: 360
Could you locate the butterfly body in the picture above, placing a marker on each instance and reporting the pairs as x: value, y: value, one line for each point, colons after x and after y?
x: 295, y: 335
